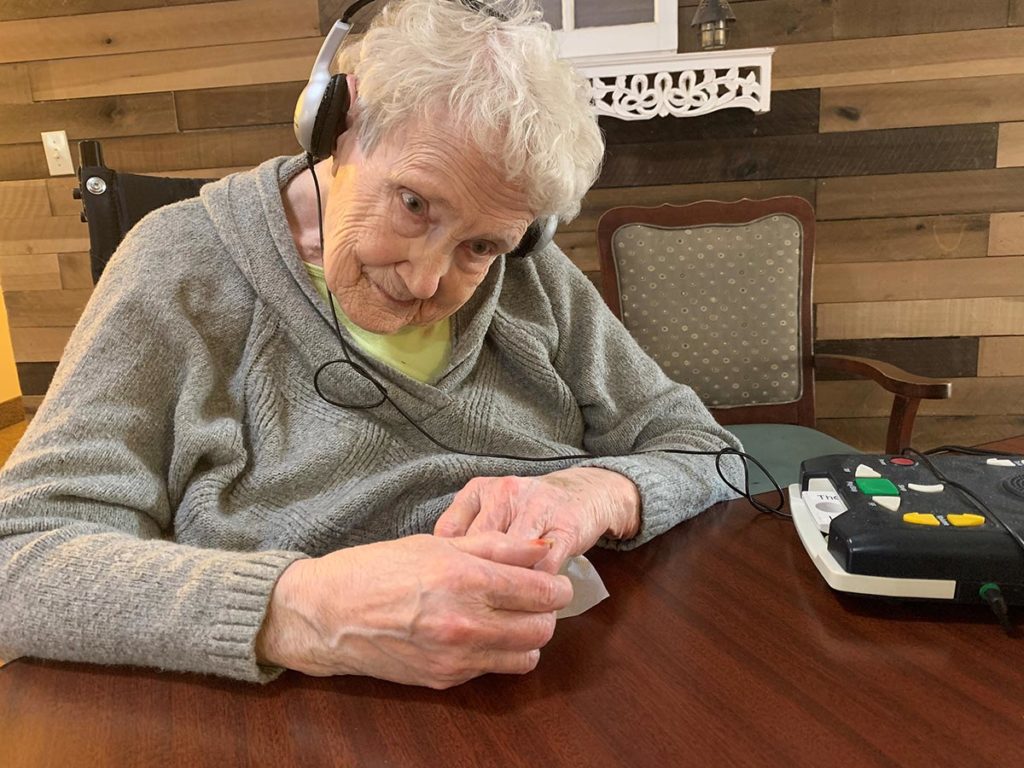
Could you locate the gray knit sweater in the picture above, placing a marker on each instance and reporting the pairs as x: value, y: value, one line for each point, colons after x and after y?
x: 182, y: 458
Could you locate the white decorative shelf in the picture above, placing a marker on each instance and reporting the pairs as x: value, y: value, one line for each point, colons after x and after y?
x: 642, y: 86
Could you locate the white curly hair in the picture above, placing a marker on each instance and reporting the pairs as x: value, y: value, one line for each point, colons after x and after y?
x: 497, y: 72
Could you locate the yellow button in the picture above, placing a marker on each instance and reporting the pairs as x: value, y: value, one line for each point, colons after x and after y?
x: 966, y: 520
x: 921, y: 518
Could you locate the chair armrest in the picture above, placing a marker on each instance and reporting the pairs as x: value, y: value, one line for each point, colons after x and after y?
x: 907, y: 388
x: 890, y: 377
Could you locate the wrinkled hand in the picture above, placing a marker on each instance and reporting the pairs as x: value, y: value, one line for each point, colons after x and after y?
x: 571, y: 509
x: 421, y: 610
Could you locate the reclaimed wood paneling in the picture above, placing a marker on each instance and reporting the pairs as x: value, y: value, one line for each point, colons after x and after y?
x: 52, y: 234
x: 991, y: 316
x: 235, y: 147
x: 35, y: 378
x: 921, y: 194
x: 1011, y: 145
x: 15, y: 87
x: 946, y: 358
x: 792, y: 112
x: 903, y: 239
x: 331, y: 10
x: 58, y: 190
x: 75, y: 271
x: 906, y: 58
x: 201, y: 173
x: 89, y: 118
x: 1006, y: 236
x: 767, y: 23
x: 32, y: 309
x: 156, y: 29
x: 245, y: 105
x: 22, y: 161
x: 973, y: 396
x: 911, y: 150
x: 39, y: 345
x: 1016, y: 12
x: 21, y: 199
x: 884, y: 18
x: 12, y: 413
x: 935, y: 102
x: 31, y: 403
x: 1001, y: 356
x: 35, y: 272
x: 929, y: 431
x: 909, y: 280
x: 36, y: 9
x: 581, y: 247
x: 175, y: 70
x: 597, y: 201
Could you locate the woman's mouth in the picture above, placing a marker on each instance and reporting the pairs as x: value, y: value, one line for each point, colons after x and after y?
x: 391, y: 299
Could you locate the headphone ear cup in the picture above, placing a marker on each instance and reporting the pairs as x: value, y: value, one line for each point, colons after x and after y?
x: 537, y: 236
x: 330, y: 117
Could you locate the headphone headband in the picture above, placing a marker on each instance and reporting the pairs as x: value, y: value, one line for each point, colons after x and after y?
x: 316, y: 101
x: 324, y: 102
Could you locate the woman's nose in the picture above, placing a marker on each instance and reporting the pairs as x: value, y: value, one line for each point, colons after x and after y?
x: 423, y: 270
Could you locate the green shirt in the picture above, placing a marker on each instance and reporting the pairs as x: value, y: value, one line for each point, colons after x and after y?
x: 420, y: 352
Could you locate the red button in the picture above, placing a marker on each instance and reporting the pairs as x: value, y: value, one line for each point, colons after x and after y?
x: 901, y: 460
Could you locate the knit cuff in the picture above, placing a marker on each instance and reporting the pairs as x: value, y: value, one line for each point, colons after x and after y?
x: 670, y: 491
x: 239, y: 606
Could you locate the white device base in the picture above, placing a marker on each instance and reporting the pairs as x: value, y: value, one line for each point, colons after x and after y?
x: 816, y: 546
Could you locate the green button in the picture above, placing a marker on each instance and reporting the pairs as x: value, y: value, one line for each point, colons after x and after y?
x: 877, y: 486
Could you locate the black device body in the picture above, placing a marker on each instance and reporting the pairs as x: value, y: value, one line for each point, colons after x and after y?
x: 870, y: 540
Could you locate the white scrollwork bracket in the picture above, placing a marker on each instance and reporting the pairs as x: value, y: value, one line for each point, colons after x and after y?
x: 685, y: 85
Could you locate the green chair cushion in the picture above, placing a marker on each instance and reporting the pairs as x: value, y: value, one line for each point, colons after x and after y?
x: 781, y: 448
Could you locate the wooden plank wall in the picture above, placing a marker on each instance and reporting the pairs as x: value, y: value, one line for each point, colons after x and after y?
x: 176, y: 87
x: 903, y: 122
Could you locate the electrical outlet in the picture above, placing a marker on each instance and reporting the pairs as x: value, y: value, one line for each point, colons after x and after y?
x: 58, y: 153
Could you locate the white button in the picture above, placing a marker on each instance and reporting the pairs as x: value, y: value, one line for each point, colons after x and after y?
x: 892, y: 503
x: 863, y: 470
x: 1000, y: 463
x: 937, y: 488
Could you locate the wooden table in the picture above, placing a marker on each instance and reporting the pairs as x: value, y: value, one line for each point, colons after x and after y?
x: 720, y: 646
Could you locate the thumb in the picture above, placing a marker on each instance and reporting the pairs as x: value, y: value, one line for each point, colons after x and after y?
x: 560, y: 549
x: 502, y: 548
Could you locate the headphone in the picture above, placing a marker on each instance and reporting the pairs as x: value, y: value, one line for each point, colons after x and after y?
x: 324, y: 103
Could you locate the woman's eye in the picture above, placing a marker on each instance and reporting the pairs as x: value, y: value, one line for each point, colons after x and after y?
x: 480, y: 248
x: 412, y: 203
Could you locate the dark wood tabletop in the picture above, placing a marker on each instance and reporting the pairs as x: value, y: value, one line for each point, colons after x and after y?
x: 720, y: 646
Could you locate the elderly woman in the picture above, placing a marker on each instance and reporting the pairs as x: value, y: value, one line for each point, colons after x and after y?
x: 197, y: 494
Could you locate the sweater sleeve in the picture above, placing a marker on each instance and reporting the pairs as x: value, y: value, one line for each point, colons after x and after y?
x: 89, y: 570
x: 631, y: 409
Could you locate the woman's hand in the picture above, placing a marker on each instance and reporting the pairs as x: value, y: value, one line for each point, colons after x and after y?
x: 571, y: 509
x: 420, y: 610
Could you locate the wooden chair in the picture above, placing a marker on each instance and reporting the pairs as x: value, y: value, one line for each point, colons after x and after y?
x: 719, y: 294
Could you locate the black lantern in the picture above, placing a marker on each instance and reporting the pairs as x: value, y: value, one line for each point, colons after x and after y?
x: 713, y: 17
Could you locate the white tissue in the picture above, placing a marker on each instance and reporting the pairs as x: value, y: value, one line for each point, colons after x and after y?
x: 587, y: 588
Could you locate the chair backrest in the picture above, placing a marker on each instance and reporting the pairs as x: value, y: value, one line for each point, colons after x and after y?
x: 113, y: 203
x: 719, y: 294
